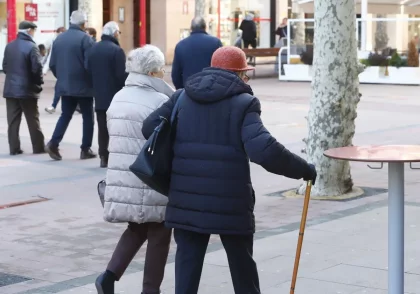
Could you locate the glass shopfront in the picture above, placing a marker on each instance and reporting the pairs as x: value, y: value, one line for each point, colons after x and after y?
x: 47, y: 14
x: 225, y: 16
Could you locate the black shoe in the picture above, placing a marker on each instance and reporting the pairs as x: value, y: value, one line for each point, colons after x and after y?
x: 105, y: 283
x: 53, y: 152
x: 17, y: 152
x: 87, y: 154
x: 104, y: 162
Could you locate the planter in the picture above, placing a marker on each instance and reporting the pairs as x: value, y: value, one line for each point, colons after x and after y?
x: 371, y: 75
x: 398, y: 76
x: 297, y: 72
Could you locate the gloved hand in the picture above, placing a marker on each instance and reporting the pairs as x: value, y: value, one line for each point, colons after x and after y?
x: 310, y: 174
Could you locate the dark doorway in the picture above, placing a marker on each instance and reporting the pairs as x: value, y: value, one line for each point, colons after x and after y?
x: 106, y: 14
x: 73, y: 5
x: 136, y: 23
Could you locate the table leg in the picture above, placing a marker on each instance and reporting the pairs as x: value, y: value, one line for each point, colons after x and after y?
x: 396, y: 228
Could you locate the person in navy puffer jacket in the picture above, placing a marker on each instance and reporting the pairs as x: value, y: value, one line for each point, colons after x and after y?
x: 193, y: 53
x: 219, y: 130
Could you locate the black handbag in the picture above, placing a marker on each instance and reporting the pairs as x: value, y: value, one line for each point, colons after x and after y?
x: 154, y: 163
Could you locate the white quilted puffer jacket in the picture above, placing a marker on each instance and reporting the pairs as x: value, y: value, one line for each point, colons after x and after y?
x: 127, y: 199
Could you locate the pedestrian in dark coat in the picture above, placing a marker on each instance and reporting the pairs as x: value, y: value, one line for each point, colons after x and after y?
x: 193, y: 53
x: 23, y: 69
x: 106, y: 64
x: 219, y: 130
x: 69, y: 64
x: 249, y: 31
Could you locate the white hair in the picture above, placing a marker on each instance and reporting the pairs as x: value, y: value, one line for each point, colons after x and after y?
x: 78, y: 17
x: 26, y: 31
x: 110, y: 28
x: 145, y: 60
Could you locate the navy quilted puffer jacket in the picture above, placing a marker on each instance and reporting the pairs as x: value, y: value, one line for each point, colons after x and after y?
x: 219, y: 131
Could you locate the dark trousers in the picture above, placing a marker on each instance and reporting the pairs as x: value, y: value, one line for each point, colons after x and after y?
x: 103, y: 136
x: 191, y: 249
x: 68, y: 106
x: 29, y: 107
x: 56, y: 97
x: 158, y: 241
x: 253, y: 43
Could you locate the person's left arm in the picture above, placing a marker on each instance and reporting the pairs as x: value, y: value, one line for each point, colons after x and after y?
x: 119, y: 66
x: 4, y: 63
x: 36, y: 66
x: 87, y: 44
x: 154, y: 119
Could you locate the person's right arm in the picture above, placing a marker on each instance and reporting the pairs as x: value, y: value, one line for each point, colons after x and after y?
x: 176, y: 73
x: 36, y: 66
x: 263, y: 149
x: 154, y: 119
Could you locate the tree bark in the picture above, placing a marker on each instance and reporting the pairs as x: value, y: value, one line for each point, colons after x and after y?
x: 299, y: 31
x: 200, y: 8
x: 335, y: 94
x: 381, y: 34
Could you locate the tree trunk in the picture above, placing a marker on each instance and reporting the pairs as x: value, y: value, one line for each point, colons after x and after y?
x: 381, y: 34
x: 299, y: 29
x: 335, y: 94
x: 200, y: 8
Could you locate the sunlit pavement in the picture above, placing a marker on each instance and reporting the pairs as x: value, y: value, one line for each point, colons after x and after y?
x: 60, y: 245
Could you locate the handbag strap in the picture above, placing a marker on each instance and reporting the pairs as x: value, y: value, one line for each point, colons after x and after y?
x: 176, y: 107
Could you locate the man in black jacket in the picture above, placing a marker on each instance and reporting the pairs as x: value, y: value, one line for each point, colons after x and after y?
x: 69, y: 59
x: 218, y: 131
x: 249, y: 31
x: 23, y: 69
x: 106, y: 64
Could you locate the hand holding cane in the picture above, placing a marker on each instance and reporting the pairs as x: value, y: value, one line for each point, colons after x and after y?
x: 301, y: 232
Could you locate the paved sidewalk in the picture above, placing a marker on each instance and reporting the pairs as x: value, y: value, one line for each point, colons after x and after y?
x: 346, y: 255
x: 62, y: 244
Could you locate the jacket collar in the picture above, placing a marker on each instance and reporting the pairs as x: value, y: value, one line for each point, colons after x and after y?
x: 150, y: 83
x: 198, y: 32
x: 110, y: 38
x: 75, y: 27
x: 25, y: 37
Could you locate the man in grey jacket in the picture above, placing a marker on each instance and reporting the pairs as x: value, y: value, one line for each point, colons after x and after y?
x: 23, y: 69
x: 69, y: 65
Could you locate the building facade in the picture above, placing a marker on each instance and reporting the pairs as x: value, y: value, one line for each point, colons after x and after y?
x: 159, y: 22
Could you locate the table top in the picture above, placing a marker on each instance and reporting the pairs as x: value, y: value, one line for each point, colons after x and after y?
x: 376, y: 153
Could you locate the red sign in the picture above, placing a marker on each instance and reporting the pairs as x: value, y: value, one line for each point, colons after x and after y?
x: 31, y: 11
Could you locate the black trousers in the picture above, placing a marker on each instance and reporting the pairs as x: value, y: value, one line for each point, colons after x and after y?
x: 253, y: 43
x: 191, y: 249
x: 103, y: 135
x: 29, y: 107
x: 158, y: 241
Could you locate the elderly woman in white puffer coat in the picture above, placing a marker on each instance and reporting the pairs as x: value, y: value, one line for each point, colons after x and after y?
x: 127, y: 199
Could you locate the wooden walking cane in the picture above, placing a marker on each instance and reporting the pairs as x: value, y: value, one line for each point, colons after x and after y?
x: 301, y: 232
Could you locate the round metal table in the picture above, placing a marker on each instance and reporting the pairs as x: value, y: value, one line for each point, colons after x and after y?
x: 395, y: 156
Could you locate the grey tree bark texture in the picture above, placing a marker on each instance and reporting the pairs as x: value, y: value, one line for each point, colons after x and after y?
x: 200, y: 8
x: 335, y: 95
x: 381, y: 34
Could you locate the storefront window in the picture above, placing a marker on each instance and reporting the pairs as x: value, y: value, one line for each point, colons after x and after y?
x: 232, y: 12
x: 47, y: 14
